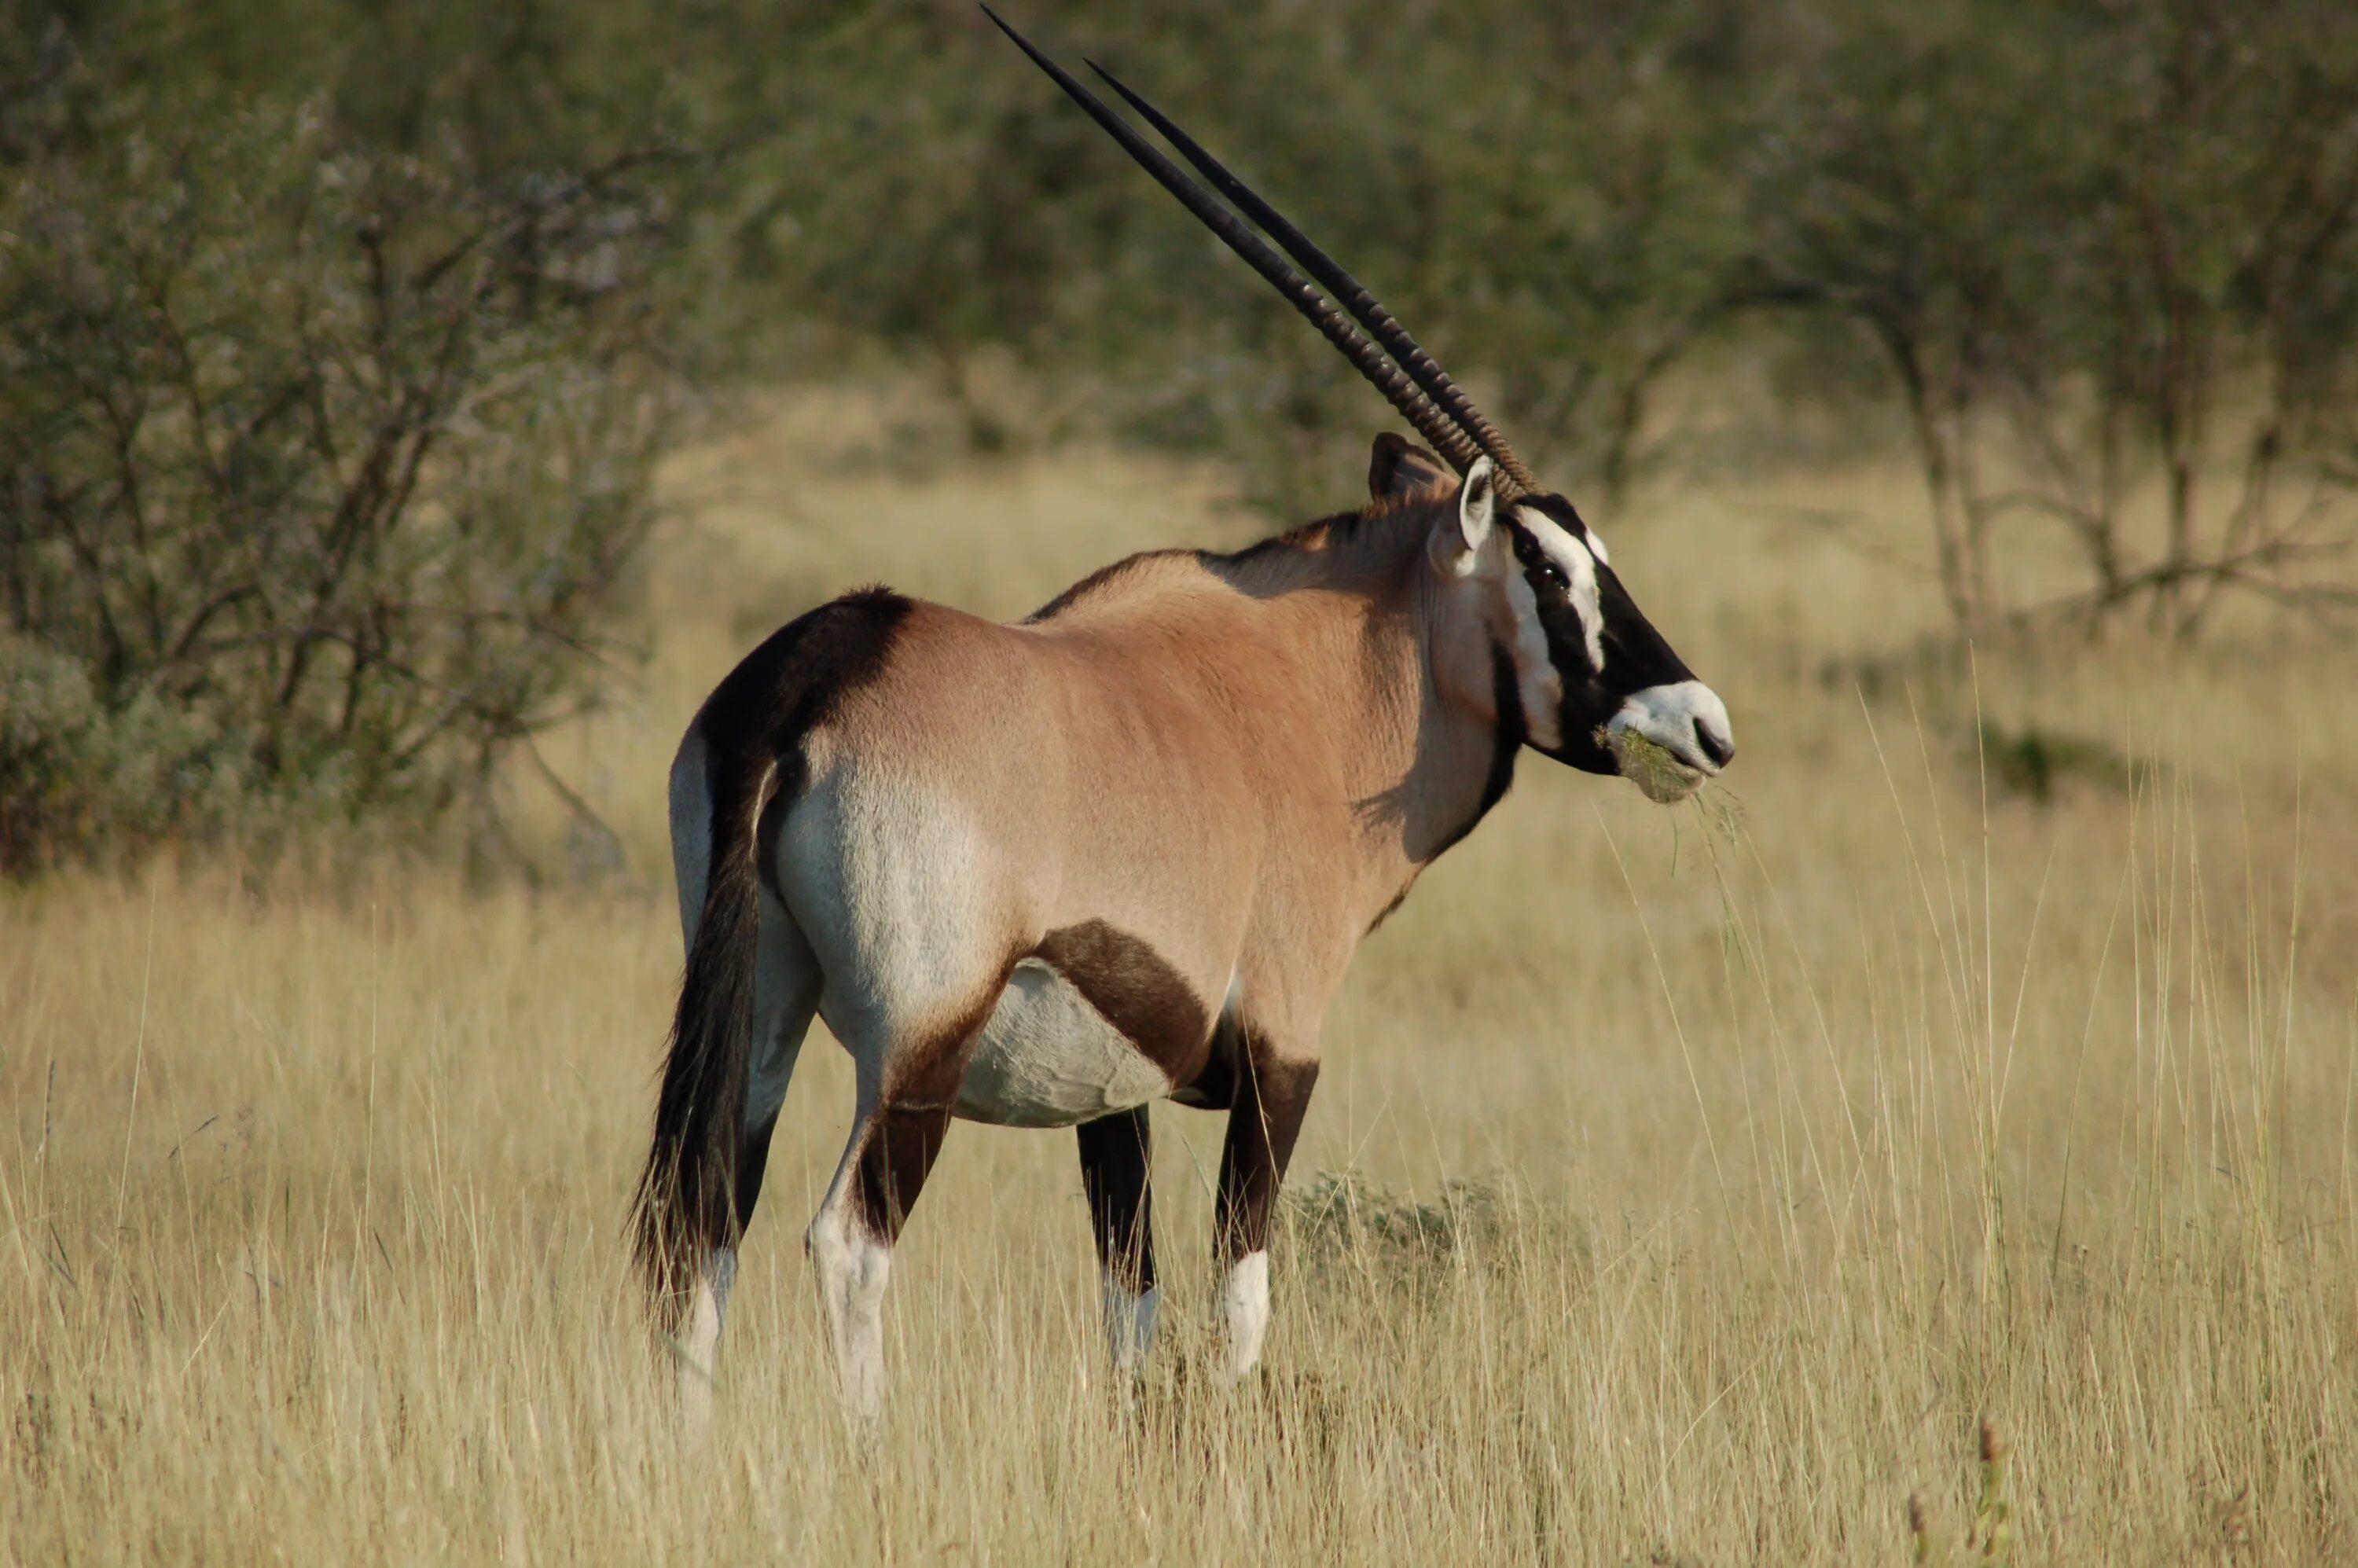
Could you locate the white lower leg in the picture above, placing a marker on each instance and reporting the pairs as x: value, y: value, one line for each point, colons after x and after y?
x: 699, y: 1334
x: 1244, y: 1314
x: 852, y: 1266
x: 1130, y: 1325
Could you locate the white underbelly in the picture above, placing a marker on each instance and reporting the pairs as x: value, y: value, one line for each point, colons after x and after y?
x: 1047, y: 1058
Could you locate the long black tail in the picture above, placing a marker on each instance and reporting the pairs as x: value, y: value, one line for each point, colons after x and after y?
x: 686, y: 1203
x: 755, y: 721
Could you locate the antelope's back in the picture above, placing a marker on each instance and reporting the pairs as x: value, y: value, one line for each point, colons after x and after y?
x: 1128, y: 761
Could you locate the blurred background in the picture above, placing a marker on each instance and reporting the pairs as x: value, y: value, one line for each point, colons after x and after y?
x: 345, y: 348
x: 409, y: 411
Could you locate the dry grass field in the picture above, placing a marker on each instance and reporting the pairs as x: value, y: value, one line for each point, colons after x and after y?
x: 1684, y: 1185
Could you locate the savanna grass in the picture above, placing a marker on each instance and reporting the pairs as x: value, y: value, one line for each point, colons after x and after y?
x: 1682, y: 1187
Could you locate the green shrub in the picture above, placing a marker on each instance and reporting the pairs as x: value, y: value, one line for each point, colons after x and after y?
x: 322, y: 471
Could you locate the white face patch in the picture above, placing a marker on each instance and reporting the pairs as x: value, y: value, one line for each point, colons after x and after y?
x: 1574, y: 559
x: 1536, y: 680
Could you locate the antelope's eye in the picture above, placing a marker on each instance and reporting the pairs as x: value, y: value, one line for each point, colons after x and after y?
x: 1553, y: 575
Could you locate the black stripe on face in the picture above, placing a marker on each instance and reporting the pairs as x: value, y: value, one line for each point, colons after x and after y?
x: 1636, y: 655
x: 1567, y: 637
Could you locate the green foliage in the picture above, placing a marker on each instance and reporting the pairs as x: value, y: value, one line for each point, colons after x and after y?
x: 1990, y: 1539
x: 1340, y: 1218
x: 320, y: 469
x: 1553, y: 231
x: 2078, y: 241
x: 327, y: 410
x: 2105, y: 253
x: 2035, y: 761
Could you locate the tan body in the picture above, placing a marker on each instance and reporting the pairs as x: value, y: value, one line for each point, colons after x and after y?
x: 1042, y: 874
x: 1234, y: 781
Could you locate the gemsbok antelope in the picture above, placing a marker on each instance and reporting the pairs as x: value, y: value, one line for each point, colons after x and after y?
x: 1043, y: 874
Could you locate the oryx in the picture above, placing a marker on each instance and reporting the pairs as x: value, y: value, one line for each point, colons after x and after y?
x: 1043, y: 874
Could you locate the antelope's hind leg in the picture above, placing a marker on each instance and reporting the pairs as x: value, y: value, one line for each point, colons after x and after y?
x: 786, y: 985
x: 896, y: 1136
x: 1115, y: 1161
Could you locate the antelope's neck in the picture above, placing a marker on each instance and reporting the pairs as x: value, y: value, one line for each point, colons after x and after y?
x: 1427, y: 752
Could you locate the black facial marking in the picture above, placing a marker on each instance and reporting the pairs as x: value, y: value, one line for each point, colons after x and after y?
x: 1567, y: 638
x: 1634, y: 655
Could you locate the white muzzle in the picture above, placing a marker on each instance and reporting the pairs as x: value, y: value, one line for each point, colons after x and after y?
x: 1669, y: 739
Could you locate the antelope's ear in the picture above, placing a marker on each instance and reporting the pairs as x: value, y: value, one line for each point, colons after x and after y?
x: 1457, y: 542
x: 1400, y: 467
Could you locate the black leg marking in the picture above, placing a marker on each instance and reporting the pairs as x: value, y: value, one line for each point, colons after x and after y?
x: 1114, y: 1165
x: 1271, y: 1098
x: 900, y: 1149
x: 752, y: 1159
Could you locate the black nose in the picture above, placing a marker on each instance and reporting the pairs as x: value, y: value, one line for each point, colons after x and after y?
x: 1719, y: 751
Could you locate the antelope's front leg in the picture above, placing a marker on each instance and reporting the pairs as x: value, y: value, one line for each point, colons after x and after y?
x: 1114, y: 1164
x: 1272, y: 1093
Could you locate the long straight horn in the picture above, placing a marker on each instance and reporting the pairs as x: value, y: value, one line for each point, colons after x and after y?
x: 1328, y: 273
x: 1436, y: 427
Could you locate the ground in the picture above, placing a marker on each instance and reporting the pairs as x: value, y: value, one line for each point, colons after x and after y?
x: 1684, y: 1184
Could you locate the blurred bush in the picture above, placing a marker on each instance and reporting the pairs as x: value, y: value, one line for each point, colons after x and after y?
x: 1541, y: 197
x: 2100, y: 263
x: 321, y: 470
x: 2108, y: 258
x: 330, y: 386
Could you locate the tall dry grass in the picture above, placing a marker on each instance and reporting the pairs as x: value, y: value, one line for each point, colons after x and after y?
x: 1681, y: 1187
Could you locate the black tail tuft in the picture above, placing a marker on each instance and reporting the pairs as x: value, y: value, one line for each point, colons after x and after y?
x: 753, y: 723
x: 686, y: 1204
